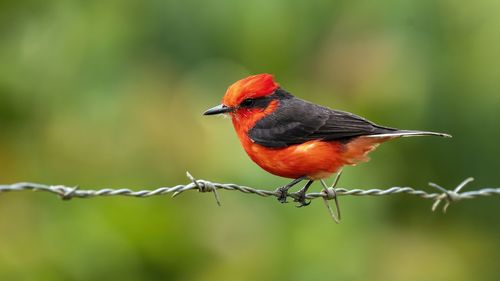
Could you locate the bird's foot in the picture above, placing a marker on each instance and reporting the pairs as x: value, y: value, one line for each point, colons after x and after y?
x: 282, y: 194
x: 301, y: 199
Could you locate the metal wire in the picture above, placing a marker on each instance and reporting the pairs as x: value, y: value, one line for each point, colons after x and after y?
x: 328, y: 193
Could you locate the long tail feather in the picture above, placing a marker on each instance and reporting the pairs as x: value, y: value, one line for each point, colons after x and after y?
x: 409, y: 133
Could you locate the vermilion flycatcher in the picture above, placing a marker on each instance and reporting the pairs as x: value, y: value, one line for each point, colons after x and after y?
x: 293, y: 138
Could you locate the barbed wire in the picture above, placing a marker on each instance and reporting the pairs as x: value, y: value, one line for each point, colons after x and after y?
x: 328, y: 193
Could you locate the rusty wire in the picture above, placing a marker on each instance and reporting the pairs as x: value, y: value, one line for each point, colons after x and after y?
x: 328, y: 193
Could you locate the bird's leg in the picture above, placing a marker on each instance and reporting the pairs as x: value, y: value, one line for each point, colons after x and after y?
x: 283, y: 191
x: 302, y: 195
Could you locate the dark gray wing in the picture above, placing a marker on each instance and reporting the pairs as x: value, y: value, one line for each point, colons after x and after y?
x: 297, y: 121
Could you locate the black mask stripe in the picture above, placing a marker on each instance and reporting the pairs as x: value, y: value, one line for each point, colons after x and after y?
x: 263, y: 102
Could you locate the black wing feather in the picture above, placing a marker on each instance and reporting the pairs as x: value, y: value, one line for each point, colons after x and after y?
x: 297, y: 121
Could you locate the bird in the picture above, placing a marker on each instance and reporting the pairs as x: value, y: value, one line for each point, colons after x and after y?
x: 293, y: 138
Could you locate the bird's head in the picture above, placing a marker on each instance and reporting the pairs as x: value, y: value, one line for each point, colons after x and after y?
x: 250, y: 94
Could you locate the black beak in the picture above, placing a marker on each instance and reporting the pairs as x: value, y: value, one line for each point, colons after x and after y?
x: 218, y: 110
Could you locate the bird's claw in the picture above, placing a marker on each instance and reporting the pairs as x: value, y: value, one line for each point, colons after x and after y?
x: 282, y: 194
x: 301, y: 199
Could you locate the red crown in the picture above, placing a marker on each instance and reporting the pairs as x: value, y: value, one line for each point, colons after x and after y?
x: 254, y: 86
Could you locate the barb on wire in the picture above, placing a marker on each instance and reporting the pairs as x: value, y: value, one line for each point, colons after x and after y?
x: 329, y: 193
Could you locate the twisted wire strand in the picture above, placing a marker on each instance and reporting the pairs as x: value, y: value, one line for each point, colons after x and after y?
x: 67, y: 192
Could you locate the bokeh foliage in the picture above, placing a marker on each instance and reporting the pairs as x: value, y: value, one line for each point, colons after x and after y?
x: 110, y: 93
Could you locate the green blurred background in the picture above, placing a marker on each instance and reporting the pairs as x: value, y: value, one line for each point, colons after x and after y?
x: 110, y: 94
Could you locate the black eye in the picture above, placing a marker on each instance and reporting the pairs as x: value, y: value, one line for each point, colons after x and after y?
x: 247, y: 102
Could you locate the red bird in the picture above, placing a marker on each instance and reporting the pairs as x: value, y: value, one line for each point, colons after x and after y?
x: 293, y: 138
